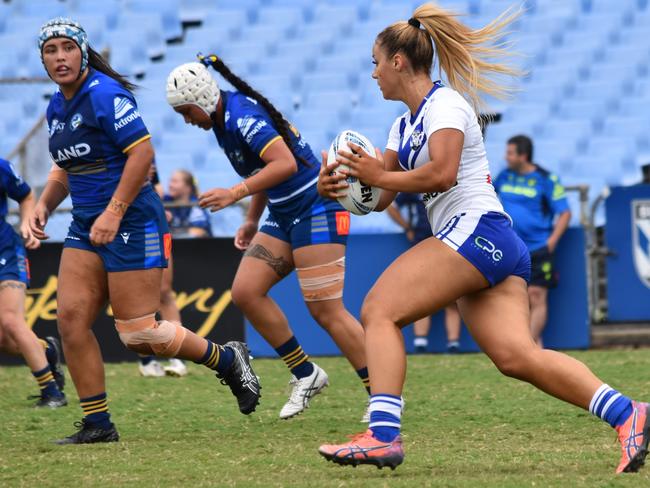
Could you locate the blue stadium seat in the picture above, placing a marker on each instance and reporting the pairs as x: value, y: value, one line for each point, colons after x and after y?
x: 567, y: 128
x: 168, y: 9
x: 107, y: 9
x: 335, y: 15
x: 279, y: 16
x: 196, y: 10
x: 571, y: 108
x: 326, y: 81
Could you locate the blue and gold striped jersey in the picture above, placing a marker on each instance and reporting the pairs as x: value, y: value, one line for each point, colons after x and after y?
x: 11, y: 186
x: 249, y: 132
x: 532, y: 200
x: 90, y: 135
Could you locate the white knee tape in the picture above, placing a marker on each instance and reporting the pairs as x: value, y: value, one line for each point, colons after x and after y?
x: 322, y: 282
x: 164, y: 338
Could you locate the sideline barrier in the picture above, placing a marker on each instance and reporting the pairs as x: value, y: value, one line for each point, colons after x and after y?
x: 627, y: 236
x: 204, y: 269
x: 369, y: 255
x: 203, y: 272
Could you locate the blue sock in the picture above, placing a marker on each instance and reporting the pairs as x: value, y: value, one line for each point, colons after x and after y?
x: 95, y: 409
x: 611, y: 406
x: 144, y: 360
x: 365, y: 378
x: 46, y: 383
x: 217, y: 358
x: 385, y: 415
x: 295, y: 358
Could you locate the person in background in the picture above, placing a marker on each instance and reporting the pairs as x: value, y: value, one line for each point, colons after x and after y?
x: 537, y: 203
x: 410, y: 214
x: 645, y: 171
x: 191, y: 221
x: 149, y: 366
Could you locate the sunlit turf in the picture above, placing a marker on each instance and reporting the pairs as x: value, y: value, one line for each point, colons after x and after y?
x: 464, y: 425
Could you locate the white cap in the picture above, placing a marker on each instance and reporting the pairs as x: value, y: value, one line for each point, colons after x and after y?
x: 192, y: 84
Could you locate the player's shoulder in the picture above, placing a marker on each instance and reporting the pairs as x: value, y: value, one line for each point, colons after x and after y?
x: 547, y: 174
x: 239, y: 101
x: 103, y: 88
x: 5, y: 165
x: 448, y: 96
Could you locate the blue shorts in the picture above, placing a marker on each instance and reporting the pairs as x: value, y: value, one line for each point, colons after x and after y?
x: 488, y: 241
x: 14, y: 265
x: 142, y: 242
x: 307, y: 220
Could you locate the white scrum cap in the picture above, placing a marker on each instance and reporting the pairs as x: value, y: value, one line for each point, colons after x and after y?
x: 192, y: 84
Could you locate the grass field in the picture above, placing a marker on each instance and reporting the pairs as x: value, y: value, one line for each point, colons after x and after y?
x: 465, y: 426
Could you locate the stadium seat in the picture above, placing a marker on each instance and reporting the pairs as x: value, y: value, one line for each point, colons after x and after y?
x: 169, y: 11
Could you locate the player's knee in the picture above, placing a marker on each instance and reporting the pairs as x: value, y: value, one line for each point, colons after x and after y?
x: 323, y: 281
x: 145, y: 335
x: 327, y: 315
x: 11, y: 322
x: 514, y: 363
x: 167, y: 296
x: 243, y: 295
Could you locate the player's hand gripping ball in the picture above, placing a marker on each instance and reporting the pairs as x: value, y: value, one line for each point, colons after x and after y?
x: 360, y: 198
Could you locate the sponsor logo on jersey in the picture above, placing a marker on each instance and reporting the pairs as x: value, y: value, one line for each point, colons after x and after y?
x: 93, y: 83
x: 427, y: 197
x: 124, y: 121
x: 227, y: 116
x: 641, y: 239
x: 489, y: 247
x: 72, y: 238
x: 56, y: 127
x: 258, y: 127
x: 342, y: 223
x: 3, y: 261
x: 125, y: 237
x: 76, y: 121
x: 76, y: 151
x: 417, y: 138
x: 245, y: 124
x: 122, y: 106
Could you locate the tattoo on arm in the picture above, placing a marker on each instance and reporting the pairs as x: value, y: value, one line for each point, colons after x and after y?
x: 12, y: 284
x: 280, y: 265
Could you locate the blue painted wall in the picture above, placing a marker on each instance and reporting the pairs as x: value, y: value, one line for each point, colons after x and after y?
x: 369, y: 255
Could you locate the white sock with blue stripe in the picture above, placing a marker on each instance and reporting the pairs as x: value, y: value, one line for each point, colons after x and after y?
x: 385, y: 416
x: 611, y: 406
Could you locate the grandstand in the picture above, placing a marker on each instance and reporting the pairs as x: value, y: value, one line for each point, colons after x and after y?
x: 583, y: 99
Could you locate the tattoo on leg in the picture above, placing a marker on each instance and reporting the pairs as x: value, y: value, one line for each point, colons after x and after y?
x: 280, y: 265
x: 12, y: 284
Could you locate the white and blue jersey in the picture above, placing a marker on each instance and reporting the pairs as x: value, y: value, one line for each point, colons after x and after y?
x: 90, y: 136
x: 297, y: 214
x: 13, y: 261
x: 468, y: 217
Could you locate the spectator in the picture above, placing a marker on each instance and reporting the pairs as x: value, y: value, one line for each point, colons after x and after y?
x: 409, y: 213
x: 190, y: 221
x: 537, y: 203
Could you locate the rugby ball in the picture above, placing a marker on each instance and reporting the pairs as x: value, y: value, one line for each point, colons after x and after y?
x: 360, y: 199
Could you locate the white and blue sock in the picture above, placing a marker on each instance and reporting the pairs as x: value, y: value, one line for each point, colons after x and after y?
x: 610, y: 405
x: 385, y: 416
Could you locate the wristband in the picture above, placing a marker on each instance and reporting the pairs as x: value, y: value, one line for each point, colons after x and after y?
x: 117, y: 207
x: 239, y: 191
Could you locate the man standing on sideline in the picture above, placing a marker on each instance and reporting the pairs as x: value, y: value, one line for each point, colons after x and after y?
x: 409, y: 213
x: 537, y: 203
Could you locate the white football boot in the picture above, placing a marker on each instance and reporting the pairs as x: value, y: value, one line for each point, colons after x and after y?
x: 303, y: 390
x: 152, y: 369
x: 176, y: 368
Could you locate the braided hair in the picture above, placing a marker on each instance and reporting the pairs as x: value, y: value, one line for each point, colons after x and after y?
x: 279, y: 122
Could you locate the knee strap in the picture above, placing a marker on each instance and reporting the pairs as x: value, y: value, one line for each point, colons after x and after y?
x: 164, y: 338
x: 322, y: 282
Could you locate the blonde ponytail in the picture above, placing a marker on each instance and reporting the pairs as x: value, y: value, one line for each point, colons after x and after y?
x: 471, y: 59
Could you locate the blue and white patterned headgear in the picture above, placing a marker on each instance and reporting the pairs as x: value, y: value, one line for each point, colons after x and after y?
x: 64, y: 27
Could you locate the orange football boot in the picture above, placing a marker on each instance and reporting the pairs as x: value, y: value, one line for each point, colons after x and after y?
x: 365, y: 449
x: 634, y: 435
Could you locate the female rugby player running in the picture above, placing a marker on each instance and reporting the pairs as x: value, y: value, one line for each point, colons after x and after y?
x: 303, y: 231
x: 475, y: 259
x: 118, y: 242
x: 42, y: 357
